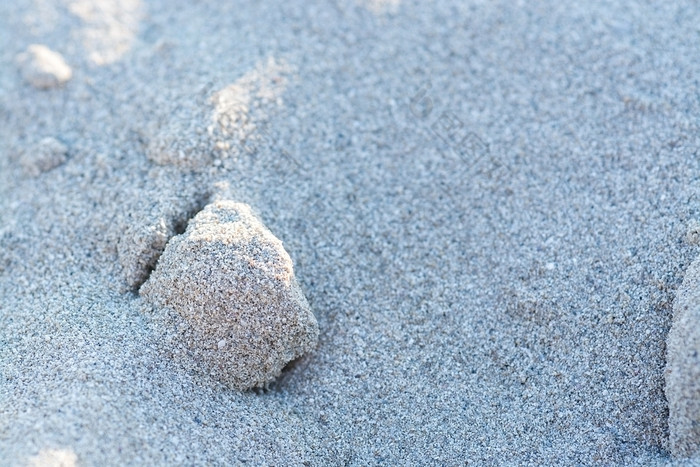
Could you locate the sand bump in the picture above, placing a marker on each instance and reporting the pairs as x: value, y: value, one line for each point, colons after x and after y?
x: 231, y: 283
x: 683, y: 367
x: 43, y: 68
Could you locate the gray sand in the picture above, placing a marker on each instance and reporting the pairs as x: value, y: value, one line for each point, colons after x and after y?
x: 228, y: 287
x: 486, y: 203
x: 683, y: 367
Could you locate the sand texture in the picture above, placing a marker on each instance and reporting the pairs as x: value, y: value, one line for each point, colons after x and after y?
x: 243, y: 315
x: 683, y: 368
x: 471, y: 222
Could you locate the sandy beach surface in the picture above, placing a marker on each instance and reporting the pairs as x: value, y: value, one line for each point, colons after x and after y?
x: 489, y: 207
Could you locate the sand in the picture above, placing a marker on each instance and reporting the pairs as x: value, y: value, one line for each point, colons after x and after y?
x: 489, y: 207
x: 683, y: 368
x: 228, y: 287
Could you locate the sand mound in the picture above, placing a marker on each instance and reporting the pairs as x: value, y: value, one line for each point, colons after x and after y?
x: 147, y: 231
x: 683, y: 367
x: 43, y: 68
x: 232, y: 283
x: 47, y: 154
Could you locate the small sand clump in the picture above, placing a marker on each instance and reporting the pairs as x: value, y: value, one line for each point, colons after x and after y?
x: 683, y: 368
x: 48, y: 154
x: 147, y: 227
x: 692, y: 234
x: 231, y: 283
x: 43, y: 68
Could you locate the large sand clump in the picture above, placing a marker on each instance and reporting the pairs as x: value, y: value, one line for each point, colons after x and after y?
x: 232, y: 283
x: 683, y: 367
